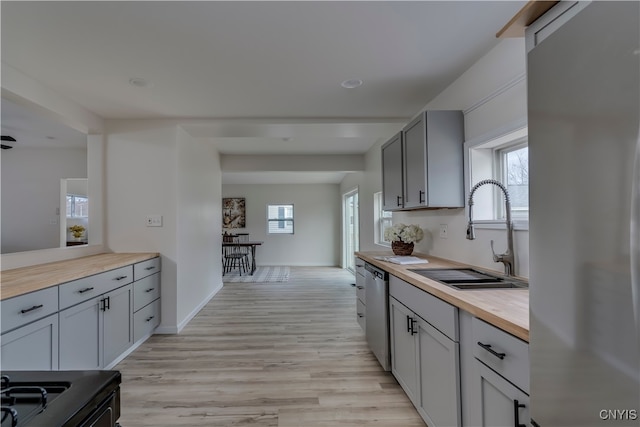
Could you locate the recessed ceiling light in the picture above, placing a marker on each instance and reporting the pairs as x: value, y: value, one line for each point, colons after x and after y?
x: 286, y: 139
x: 351, y: 83
x: 50, y: 137
x: 138, y: 82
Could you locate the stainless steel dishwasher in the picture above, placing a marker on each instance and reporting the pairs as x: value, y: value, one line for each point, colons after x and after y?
x: 377, y: 302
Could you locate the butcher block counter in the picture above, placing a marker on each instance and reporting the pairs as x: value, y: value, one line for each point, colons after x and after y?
x: 507, y: 309
x: 23, y: 280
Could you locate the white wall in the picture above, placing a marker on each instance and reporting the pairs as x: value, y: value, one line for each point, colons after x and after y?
x: 31, y: 195
x: 368, y: 182
x: 317, y: 222
x: 198, y: 234
x: 492, y: 93
x: 155, y: 168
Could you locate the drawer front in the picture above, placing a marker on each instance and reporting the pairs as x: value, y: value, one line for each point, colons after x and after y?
x: 146, y: 320
x: 80, y: 290
x: 146, y: 268
x: 359, y: 266
x: 512, y: 358
x: 360, y: 286
x: 442, y: 315
x: 26, y: 308
x: 146, y: 290
x: 360, y: 313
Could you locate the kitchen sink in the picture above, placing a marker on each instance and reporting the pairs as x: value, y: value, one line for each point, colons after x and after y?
x: 468, y: 278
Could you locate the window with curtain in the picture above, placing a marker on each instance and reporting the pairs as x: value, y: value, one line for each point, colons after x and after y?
x: 280, y: 219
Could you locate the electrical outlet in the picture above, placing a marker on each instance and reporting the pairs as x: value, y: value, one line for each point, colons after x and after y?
x: 154, y: 220
x: 444, y: 233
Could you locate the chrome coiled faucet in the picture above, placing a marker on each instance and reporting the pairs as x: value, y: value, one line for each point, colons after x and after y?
x: 506, y: 258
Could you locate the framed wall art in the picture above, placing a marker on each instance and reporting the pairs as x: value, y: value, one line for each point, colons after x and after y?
x: 233, y: 212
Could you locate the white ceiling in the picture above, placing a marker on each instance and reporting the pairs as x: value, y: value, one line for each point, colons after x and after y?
x: 33, y: 128
x: 241, y: 60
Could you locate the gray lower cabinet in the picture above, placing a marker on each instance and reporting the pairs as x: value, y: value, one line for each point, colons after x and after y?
x: 439, y: 377
x: 81, y: 336
x: 500, y: 378
x: 118, y: 323
x: 88, y: 323
x: 31, y: 347
x: 404, y: 364
x: 361, y: 307
x: 94, y: 333
x: 425, y: 352
x: 497, y: 402
x: 426, y: 364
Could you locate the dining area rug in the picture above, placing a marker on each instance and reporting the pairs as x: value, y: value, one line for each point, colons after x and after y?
x: 262, y: 274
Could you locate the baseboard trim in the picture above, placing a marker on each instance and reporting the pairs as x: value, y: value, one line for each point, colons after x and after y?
x: 172, y: 330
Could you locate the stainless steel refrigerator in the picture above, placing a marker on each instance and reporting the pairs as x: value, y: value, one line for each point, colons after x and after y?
x: 584, y: 154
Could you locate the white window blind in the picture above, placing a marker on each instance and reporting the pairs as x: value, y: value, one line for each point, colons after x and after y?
x: 280, y: 219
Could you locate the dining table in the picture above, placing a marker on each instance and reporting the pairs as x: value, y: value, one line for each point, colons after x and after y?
x: 252, y: 244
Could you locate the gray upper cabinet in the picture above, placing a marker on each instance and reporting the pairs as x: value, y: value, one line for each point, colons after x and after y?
x: 433, y: 160
x: 392, y: 174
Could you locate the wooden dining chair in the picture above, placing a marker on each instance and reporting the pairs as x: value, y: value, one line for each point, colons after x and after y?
x: 233, y: 256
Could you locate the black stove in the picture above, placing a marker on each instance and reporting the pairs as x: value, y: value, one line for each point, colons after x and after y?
x: 60, y: 398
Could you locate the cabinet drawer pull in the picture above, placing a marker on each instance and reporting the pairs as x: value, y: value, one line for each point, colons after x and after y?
x: 399, y: 200
x: 421, y: 197
x: 149, y: 318
x: 149, y: 290
x: 120, y: 278
x: 360, y: 287
x: 82, y: 291
x: 409, y: 324
x: 360, y: 315
x: 413, y: 328
x: 492, y: 351
x: 516, y: 413
x: 27, y: 310
x: 150, y: 268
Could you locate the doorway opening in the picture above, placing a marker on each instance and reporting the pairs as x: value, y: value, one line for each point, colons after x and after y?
x: 351, y: 239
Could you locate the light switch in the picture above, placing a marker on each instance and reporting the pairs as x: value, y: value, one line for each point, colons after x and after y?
x: 154, y: 220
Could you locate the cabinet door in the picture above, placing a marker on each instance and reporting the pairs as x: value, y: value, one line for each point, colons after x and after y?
x: 81, y: 336
x: 33, y: 347
x: 117, y: 323
x: 392, y: 173
x: 497, y: 402
x: 445, y: 170
x: 439, y: 365
x: 403, y: 349
x: 415, y: 162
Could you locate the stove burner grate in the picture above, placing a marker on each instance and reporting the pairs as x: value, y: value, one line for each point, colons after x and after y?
x: 21, y: 402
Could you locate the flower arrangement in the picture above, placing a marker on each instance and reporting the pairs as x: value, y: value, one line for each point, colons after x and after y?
x: 403, y: 233
x: 77, y: 230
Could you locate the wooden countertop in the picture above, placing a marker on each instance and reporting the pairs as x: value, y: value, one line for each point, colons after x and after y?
x: 507, y: 309
x: 23, y: 280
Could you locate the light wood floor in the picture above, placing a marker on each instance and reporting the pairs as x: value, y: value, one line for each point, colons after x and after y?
x: 266, y: 354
